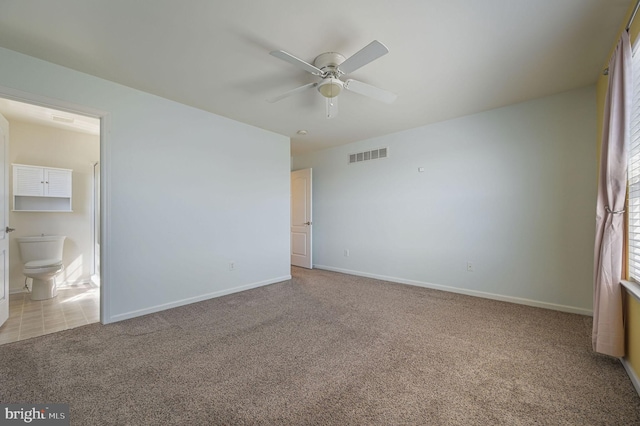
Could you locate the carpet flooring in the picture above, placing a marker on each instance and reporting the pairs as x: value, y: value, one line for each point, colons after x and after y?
x: 327, y: 349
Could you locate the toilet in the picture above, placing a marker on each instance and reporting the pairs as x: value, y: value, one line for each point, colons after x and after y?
x: 42, y: 259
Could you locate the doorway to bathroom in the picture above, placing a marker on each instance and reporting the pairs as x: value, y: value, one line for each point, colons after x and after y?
x: 54, y: 141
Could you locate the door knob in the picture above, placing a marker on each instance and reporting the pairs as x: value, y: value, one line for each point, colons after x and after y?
x: 7, y: 229
x: 307, y: 223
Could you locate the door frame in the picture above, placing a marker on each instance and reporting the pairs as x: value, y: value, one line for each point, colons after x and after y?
x: 105, y: 126
x: 4, y: 259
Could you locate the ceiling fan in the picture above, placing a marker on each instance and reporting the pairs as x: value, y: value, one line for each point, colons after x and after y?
x: 330, y: 66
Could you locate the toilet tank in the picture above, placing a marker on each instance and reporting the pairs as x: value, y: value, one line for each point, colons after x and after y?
x: 41, y: 247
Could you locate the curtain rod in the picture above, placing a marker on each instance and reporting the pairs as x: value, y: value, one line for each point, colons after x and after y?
x: 633, y: 15
x: 631, y: 18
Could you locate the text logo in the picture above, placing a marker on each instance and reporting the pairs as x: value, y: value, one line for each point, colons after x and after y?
x: 34, y: 414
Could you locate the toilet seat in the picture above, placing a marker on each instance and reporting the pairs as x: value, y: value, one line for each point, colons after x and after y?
x: 45, y: 263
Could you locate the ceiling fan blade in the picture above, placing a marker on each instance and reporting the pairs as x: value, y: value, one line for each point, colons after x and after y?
x: 370, y: 52
x: 292, y: 92
x: 370, y: 91
x: 281, y: 54
x: 332, y: 107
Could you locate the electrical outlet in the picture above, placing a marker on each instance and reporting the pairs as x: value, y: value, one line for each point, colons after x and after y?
x: 232, y: 266
x: 346, y: 252
x: 469, y: 267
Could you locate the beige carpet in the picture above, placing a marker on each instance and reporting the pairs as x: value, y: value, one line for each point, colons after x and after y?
x: 327, y: 349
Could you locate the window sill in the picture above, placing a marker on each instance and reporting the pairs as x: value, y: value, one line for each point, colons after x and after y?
x: 632, y: 288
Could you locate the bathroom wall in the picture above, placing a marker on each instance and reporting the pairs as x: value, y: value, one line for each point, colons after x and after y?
x: 38, y: 145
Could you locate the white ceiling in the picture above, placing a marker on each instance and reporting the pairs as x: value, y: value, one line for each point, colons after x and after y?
x: 447, y: 58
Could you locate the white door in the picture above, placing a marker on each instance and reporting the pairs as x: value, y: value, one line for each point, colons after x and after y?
x: 301, y: 221
x: 4, y: 217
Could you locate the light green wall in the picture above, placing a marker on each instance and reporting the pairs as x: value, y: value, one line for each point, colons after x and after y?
x: 511, y: 190
x: 185, y: 192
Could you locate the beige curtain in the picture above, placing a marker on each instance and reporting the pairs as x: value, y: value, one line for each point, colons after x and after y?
x: 608, y: 328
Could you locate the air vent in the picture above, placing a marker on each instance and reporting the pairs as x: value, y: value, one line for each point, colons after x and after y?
x: 374, y: 154
x: 62, y: 119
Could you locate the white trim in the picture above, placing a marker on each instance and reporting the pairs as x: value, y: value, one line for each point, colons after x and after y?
x: 83, y: 281
x: 95, y: 280
x: 44, y: 101
x: 158, y: 308
x: 59, y: 284
x: 632, y: 374
x: 632, y: 288
x: 105, y: 215
x: 475, y: 293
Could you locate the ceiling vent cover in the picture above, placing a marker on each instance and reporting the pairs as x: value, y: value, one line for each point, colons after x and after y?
x: 374, y: 154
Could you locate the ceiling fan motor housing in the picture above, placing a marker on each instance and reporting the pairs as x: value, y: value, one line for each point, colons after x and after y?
x: 329, y: 61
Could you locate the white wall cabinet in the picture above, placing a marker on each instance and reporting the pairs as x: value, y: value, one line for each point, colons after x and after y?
x: 41, y: 189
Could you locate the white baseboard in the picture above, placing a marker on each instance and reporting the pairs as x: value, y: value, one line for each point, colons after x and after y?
x: 60, y: 287
x: 95, y: 280
x: 62, y: 284
x: 177, y: 303
x: 74, y: 283
x: 632, y: 374
x: 511, y: 299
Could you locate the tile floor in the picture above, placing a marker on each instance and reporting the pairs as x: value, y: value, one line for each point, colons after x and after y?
x: 73, y: 306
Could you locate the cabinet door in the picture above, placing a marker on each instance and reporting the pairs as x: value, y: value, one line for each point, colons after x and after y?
x: 28, y: 181
x: 57, y: 183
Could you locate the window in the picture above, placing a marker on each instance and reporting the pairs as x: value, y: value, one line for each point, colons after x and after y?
x: 634, y: 174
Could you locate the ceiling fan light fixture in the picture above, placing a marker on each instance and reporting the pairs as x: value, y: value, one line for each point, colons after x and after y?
x: 330, y: 87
